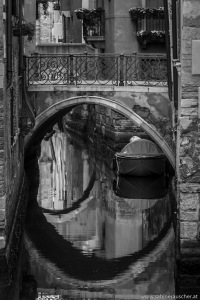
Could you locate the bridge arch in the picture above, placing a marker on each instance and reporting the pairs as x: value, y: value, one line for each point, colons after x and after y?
x: 66, y: 105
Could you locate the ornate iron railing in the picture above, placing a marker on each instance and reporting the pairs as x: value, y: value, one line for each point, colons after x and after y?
x: 101, y: 69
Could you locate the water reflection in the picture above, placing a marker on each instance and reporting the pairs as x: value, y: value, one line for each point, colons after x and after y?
x: 87, y: 227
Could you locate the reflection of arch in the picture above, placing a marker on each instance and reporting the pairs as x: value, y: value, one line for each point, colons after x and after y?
x: 75, y: 263
x: 62, y: 107
x: 134, y: 270
x: 70, y: 259
x: 131, y: 269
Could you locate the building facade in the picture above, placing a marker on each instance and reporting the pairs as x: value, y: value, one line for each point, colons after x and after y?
x: 98, y: 27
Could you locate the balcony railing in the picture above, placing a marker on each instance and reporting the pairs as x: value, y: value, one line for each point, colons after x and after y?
x: 150, y: 24
x: 104, y: 69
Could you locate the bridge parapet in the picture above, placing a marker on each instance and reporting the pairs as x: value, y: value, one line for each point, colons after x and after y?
x: 99, y: 69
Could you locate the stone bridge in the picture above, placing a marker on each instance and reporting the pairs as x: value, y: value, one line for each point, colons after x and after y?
x: 53, y: 91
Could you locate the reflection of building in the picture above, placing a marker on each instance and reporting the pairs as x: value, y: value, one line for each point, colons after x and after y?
x: 77, y: 170
x: 123, y: 237
x: 52, y: 163
x: 82, y: 228
x: 64, y: 172
x: 45, y: 192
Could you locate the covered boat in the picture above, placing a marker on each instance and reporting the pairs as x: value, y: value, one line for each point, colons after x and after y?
x: 141, y: 157
x: 146, y: 187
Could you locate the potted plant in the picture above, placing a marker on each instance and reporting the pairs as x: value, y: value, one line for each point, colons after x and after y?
x: 81, y: 12
x: 158, y: 36
x: 26, y: 29
x: 143, y: 35
x: 142, y: 12
x: 137, y: 13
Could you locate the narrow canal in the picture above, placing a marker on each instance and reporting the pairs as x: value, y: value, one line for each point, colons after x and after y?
x: 90, y: 233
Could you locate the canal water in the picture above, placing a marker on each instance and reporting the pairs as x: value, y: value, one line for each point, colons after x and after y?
x: 90, y: 233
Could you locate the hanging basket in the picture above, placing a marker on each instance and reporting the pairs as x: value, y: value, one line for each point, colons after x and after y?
x: 24, y: 30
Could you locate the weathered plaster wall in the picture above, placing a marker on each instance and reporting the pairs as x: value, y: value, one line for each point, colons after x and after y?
x: 189, y: 168
x: 116, y: 19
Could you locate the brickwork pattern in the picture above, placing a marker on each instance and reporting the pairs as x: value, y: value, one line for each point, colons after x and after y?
x: 11, y: 150
x: 13, y: 146
x: 2, y: 197
x: 189, y: 176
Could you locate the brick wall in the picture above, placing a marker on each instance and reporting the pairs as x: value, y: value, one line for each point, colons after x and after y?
x: 114, y: 125
x: 2, y: 189
x: 11, y: 149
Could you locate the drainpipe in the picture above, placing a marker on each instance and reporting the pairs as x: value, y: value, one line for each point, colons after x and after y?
x: 168, y: 49
x: 9, y: 41
x: 175, y: 54
x: 20, y: 71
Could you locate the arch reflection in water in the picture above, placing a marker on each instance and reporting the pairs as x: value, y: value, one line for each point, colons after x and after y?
x: 108, y: 240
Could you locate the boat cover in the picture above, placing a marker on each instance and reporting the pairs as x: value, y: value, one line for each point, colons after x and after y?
x: 141, y: 147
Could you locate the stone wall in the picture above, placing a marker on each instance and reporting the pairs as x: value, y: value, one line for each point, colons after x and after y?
x: 12, y: 143
x: 189, y: 160
x: 2, y: 200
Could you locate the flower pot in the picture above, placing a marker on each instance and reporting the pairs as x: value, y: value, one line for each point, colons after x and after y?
x: 24, y: 29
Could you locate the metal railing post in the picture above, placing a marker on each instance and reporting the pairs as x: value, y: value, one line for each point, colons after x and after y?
x: 121, y: 71
x: 71, y: 69
x: 136, y: 66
